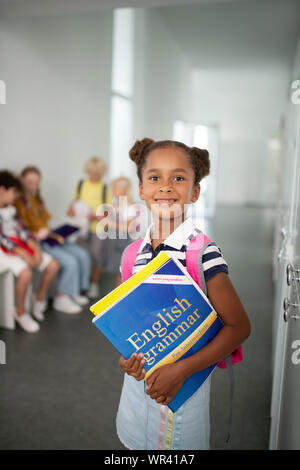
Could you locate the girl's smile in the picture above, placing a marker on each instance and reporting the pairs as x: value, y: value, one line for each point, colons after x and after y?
x: 166, y: 201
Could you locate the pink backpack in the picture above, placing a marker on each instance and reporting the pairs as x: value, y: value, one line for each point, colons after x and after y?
x: 194, y: 267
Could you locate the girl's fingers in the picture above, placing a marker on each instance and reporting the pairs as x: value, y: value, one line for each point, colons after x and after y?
x: 150, y: 381
x: 140, y: 375
x: 163, y: 400
x: 139, y: 371
x: 132, y: 365
x: 160, y: 399
x: 137, y: 363
x: 130, y: 362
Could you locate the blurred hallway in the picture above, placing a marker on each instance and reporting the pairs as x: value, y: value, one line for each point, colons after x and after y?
x: 245, y: 235
x: 85, y: 78
x: 60, y: 389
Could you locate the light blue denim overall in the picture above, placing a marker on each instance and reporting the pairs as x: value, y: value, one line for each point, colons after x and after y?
x: 143, y: 424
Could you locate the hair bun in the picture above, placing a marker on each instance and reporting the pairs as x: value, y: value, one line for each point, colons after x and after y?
x: 136, y: 152
x: 203, y: 158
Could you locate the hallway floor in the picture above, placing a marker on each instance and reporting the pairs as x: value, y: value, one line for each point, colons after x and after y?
x: 60, y: 388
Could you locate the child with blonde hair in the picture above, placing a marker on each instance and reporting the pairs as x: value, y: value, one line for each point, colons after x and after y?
x: 120, y: 218
x: 89, y: 194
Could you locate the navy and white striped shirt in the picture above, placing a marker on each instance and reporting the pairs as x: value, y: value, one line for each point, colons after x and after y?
x: 175, y: 245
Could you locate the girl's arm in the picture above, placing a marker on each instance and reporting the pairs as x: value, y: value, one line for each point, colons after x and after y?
x: 165, y: 382
x: 235, y: 331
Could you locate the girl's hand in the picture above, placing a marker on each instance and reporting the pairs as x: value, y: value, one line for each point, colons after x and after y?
x: 133, y: 366
x: 41, y: 233
x: 165, y: 382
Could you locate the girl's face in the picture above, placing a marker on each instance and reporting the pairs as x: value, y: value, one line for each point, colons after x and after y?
x: 168, y: 183
x: 31, y: 183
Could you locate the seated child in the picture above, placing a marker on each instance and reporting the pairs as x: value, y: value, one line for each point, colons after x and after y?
x: 20, y: 254
x: 74, y: 274
x: 92, y: 192
x: 123, y: 219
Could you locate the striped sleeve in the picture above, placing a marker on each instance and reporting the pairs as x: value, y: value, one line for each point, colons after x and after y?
x: 213, y: 262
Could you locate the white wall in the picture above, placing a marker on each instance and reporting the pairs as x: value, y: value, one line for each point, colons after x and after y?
x: 58, y: 75
x: 57, y: 72
x: 247, y: 105
x: 240, y: 55
x: 161, y: 77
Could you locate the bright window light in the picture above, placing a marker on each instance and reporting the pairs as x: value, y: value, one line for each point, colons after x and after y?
x: 121, y: 136
x: 204, y: 137
x: 123, y: 51
x: 122, y: 87
x: 200, y: 139
x: 183, y: 132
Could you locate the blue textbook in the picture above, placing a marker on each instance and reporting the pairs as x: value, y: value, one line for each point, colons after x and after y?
x: 161, y: 312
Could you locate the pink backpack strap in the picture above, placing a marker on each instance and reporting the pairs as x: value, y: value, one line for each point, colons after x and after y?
x: 128, y: 258
x: 194, y: 253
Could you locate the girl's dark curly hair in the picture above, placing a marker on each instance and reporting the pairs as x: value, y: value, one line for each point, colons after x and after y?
x: 199, y: 158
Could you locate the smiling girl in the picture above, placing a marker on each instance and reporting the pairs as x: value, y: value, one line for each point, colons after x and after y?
x: 169, y: 174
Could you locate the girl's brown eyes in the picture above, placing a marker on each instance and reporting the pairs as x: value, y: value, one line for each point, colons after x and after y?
x: 181, y: 178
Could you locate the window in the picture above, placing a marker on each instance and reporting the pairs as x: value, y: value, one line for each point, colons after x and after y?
x: 121, y: 134
x: 206, y: 137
